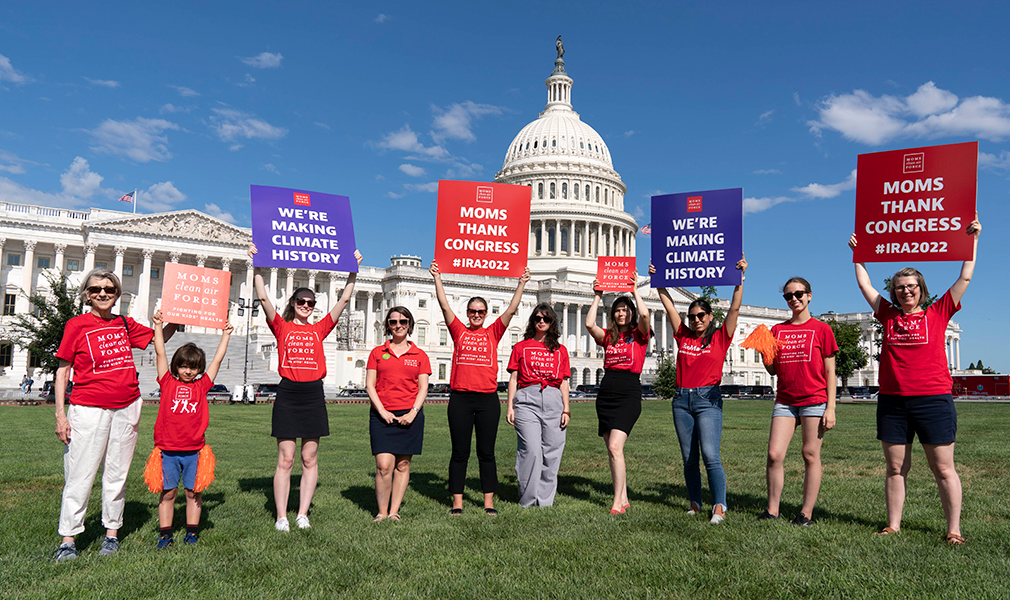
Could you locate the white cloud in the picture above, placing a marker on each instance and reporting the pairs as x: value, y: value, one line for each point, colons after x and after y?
x: 394, y: 195
x: 236, y: 147
x: 9, y: 73
x: 455, y: 121
x: 381, y: 18
x: 185, y: 92
x: 756, y: 205
x: 217, y: 212
x: 411, y: 170
x: 322, y: 125
x: 461, y: 169
x: 629, y: 133
x: 985, y: 161
x: 270, y: 167
x: 928, y: 113
x: 231, y: 125
x: 248, y: 81
x: 767, y: 172
x: 264, y: 60
x: 80, y: 181
x: 422, y: 187
x: 817, y: 190
x: 638, y: 213
x: 15, y: 193
x: 161, y: 197
x: 103, y: 82
x: 406, y: 140
x: 12, y: 164
x: 765, y: 117
x: 141, y: 140
x: 796, y: 99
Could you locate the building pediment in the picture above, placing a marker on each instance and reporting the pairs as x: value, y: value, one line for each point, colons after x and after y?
x: 183, y: 224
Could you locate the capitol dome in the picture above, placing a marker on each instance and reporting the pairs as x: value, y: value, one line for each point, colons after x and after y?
x: 577, y: 211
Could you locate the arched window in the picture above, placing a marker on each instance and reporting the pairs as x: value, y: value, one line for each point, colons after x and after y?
x: 582, y: 146
x: 605, y: 195
x: 538, y: 235
x: 550, y: 239
x: 534, y: 144
x: 552, y: 190
x: 575, y: 189
x: 527, y: 145
x: 554, y: 143
x: 564, y: 191
x: 577, y: 240
x: 564, y: 239
x: 540, y: 191
x: 597, y: 193
x: 587, y: 192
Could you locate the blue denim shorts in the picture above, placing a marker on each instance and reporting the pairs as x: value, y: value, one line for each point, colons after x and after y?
x: 786, y: 410
x: 179, y: 465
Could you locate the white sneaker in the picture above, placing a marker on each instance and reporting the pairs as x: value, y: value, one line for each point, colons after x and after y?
x: 302, y: 521
x: 717, y: 518
x: 282, y: 524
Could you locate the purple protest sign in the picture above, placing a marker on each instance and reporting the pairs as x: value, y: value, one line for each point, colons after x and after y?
x: 302, y: 230
x: 697, y: 238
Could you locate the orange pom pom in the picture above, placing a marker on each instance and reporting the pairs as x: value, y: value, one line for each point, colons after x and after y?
x: 762, y: 340
x: 153, y: 476
x: 205, y: 463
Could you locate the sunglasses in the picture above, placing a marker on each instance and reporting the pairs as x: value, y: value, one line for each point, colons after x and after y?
x: 797, y: 295
x: 696, y: 316
x: 393, y: 322
x: 97, y: 289
x: 305, y: 302
x: 541, y: 319
x: 480, y: 313
x: 898, y: 288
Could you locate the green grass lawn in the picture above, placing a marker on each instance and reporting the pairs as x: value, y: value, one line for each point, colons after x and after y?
x: 572, y: 550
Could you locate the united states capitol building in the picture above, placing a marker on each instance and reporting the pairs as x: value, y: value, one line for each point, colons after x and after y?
x: 577, y: 214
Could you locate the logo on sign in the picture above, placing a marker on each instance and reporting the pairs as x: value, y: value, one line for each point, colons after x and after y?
x: 915, y: 163
x: 302, y: 199
x: 694, y: 204
x: 484, y: 194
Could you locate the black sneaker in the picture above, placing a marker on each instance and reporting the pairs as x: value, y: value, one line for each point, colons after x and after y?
x: 802, y: 520
x: 766, y: 516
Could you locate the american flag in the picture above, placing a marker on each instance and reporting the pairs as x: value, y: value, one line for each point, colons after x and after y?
x: 646, y: 229
x: 127, y: 197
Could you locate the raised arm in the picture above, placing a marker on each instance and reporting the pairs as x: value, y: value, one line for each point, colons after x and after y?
x: 644, y: 325
x: 443, y: 302
x: 671, y: 310
x: 733, y: 314
x: 967, y: 267
x: 261, y: 291
x: 222, y: 349
x: 159, y: 344
x: 863, y: 281
x: 510, y: 311
x: 345, y: 296
x: 595, y: 330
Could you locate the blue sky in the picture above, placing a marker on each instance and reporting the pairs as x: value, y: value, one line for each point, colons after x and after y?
x: 191, y: 104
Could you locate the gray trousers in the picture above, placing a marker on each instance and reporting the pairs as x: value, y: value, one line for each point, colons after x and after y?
x: 540, y: 442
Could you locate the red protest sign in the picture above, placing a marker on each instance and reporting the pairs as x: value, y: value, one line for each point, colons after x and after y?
x: 195, y: 296
x: 915, y: 204
x: 482, y: 228
x: 614, y: 273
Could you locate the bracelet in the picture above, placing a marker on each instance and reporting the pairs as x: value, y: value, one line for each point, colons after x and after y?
x: 566, y: 412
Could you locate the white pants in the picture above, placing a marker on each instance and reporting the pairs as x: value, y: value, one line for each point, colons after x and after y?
x: 540, y: 443
x: 97, y: 434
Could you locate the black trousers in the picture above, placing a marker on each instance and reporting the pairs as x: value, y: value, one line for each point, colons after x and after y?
x: 469, y: 412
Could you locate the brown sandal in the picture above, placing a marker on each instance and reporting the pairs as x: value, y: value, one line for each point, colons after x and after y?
x: 886, y: 531
x: 954, y: 539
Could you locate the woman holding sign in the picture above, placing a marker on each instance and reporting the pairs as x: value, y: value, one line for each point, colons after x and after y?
x: 915, y: 384
x: 299, y: 408
x: 697, y: 408
x: 473, y: 389
x: 619, y: 401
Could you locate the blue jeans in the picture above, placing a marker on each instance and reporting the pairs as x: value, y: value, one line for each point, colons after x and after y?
x: 697, y: 416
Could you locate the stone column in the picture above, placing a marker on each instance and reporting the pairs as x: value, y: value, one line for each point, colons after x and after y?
x: 272, y: 290
x: 89, y: 258
x: 118, y: 270
x: 174, y: 256
x: 226, y: 263
x: 533, y: 238
x: 571, y: 237
x: 142, y: 303
x: 557, y: 237
x: 664, y: 323
x: 563, y: 320
x: 61, y: 250
x: 22, y: 305
x: 312, y: 279
x: 201, y: 260
x: 332, y: 291
x: 957, y: 353
x: 289, y: 283
x: 369, y: 328
x: 634, y: 247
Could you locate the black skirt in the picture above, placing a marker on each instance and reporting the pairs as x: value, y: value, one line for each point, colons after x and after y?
x: 619, y: 401
x: 393, y: 438
x: 299, y: 410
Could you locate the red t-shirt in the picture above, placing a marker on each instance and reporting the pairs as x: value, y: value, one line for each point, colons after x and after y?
x: 182, y: 414
x: 697, y: 366
x: 475, y: 357
x: 628, y: 354
x: 301, y: 348
x: 913, y: 358
x: 100, y: 354
x: 799, y: 365
x: 539, y: 366
x: 396, y: 376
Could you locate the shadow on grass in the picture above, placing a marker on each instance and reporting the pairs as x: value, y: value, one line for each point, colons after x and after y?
x: 135, y: 515
x: 265, y: 486
x: 211, y: 500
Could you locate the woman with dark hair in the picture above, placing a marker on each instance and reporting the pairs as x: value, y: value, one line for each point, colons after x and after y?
x: 619, y: 401
x: 538, y: 406
x: 397, y: 384
x: 915, y: 384
x: 805, y: 367
x: 473, y: 389
x: 299, y: 409
x: 697, y: 407
x: 101, y: 423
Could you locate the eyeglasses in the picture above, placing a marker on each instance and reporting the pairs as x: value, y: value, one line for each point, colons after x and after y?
x: 479, y: 313
x: 696, y: 316
x: 97, y: 289
x: 393, y: 322
x: 541, y: 319
x: 797, y: 295
x: 305, y: 302
x: 910, y: 287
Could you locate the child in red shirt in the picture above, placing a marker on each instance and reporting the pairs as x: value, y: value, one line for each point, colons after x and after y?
x: 179, y: 429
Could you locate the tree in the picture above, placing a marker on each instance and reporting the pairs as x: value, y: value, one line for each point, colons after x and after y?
x: 985, y: 370
x: 708, y: 294
x: 41, y: 331
x: 851, y: 355
x: 665, y: 383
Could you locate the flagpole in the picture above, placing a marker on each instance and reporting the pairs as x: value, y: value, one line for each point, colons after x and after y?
x: 135, y: 192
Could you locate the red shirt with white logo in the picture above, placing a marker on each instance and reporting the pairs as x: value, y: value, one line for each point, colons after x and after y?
x: 182, y: 414
x: 799, y: 364
x: 628, y: 354
x: 696, y: 366
x: 301, y: 348
x: 539, y: 366
x: 100, y: 353
x: 913, y: 358
x: 396, y: 376
x: 475, y: 357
